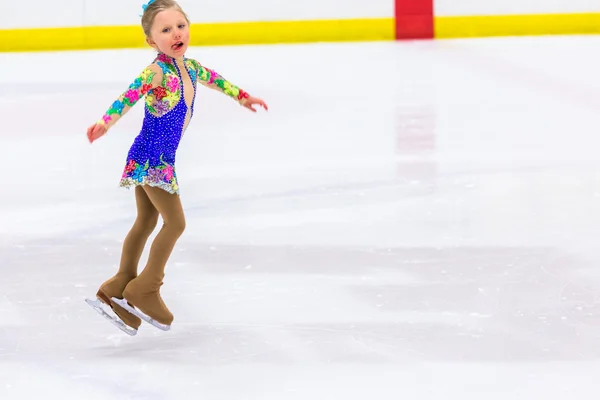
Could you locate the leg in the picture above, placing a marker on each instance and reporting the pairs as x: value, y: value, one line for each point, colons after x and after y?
x: 133, y: 246
x: 144, y: 291
x: 135, y: 241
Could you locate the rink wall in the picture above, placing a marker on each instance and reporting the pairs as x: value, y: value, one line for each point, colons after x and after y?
x: 34, y: 25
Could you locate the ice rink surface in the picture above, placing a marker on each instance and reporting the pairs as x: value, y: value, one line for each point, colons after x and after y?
x: 415, y: 220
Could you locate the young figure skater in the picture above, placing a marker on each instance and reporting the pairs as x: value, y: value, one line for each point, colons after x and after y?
x: 168, y: 86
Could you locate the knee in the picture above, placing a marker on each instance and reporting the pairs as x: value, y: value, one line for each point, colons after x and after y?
x: 176, y: 226
x: 146, y: 224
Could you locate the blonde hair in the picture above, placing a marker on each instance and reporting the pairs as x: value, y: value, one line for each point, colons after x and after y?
x: 154, y: 8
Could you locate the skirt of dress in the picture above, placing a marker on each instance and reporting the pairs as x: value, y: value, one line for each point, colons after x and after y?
x: 160, y: 175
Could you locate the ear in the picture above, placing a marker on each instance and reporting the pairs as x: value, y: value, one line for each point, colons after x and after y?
x: 151, y: 43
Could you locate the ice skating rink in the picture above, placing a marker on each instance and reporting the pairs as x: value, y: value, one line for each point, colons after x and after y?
x: 415, y: 220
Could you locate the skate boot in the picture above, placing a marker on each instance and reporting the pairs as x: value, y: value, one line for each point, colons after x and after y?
x: 114, y: 288
x: 143, y: 296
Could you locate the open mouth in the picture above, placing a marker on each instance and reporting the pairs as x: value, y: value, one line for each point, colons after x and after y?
x: 177, y: 46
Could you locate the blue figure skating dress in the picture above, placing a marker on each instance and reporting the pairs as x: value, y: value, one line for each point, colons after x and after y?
x: 151, y: 158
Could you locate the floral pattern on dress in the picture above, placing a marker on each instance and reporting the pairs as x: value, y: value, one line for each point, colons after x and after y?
x: 138, y: 88
x: 170, y: 88
x: 162, y: 175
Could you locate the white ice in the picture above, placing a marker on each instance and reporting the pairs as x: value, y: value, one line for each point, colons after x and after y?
x: 415, y: 220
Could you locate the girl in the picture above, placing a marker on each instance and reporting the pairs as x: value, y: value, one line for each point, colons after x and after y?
x: 168, y: 86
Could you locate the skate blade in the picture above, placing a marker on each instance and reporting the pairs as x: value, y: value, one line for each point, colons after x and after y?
x: 97, y: 305
x: 123, y: 303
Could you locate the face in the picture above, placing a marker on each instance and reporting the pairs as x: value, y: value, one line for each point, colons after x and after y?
x: 170, y: 33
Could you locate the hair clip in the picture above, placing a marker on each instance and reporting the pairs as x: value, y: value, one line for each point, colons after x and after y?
x: 146, y: 6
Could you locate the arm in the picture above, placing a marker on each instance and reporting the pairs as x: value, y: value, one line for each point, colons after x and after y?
x: 214, y: 80
x: 148, y: 79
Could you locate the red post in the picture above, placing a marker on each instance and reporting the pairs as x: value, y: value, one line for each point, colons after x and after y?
x: 414, y: 19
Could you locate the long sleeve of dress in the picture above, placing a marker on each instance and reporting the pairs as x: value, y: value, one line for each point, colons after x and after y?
x: 148, y: 79
x: 214, y: 80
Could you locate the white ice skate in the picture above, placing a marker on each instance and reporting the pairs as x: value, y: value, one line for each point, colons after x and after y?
x: 123, y: 303
x: 116, y: 321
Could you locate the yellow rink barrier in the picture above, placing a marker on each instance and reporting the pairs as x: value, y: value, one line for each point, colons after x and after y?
x: 516, y: 25
x: 234, y: 33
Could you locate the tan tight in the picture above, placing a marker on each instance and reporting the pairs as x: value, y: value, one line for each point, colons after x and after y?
x: 151, y: 202
x: 143, y: 291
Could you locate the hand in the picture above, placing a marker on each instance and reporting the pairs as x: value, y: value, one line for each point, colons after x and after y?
x: 250, y: 101
x: 95, y: 132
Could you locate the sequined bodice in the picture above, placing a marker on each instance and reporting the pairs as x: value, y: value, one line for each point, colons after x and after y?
x: 167, y: 124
